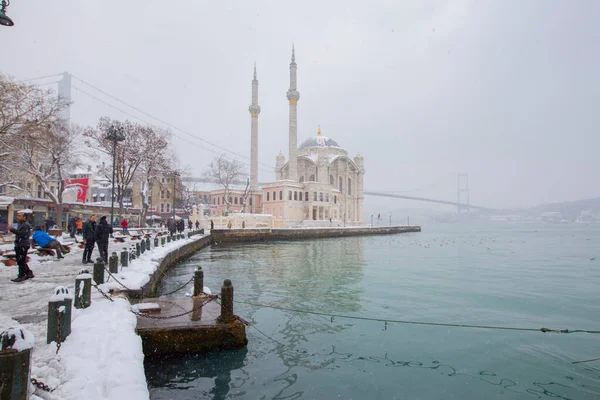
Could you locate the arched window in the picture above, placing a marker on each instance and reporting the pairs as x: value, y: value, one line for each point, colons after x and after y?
x: 314, y: 196
x: 312, y: 178
x: 321, y: 196
x: 301, y: 179
x: 331, y: 181
x: 268, y: 196
x: 340, y: 184
x: 305, y: 196
x: 334, y: 199
x: 274, y: 195
x: 349, y: 186
x: 295, y: 195
x: 281, y: 195
x: 327, y: 197
x: 290, y: 195
x: 235, y: 199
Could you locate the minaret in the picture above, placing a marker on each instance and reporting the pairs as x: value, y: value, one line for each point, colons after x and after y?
x: 293, y: 96
x: 254, y: 111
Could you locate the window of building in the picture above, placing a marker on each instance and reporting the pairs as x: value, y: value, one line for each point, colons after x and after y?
x: 39, y: 192
x: 223, y: 200
x: 349, y: 186
x: 305, y: 196
x: 340, y: 184
x: 289, y: 195
x: 168, y: 207
x: 301, y: 179
x: 327, y: 197
x: 230, y: 200
x: 281, y: 195
x: 321, y: 196
x: 314, y: 196
x: 331, y: 181
x: 312, y: 178
x: 162, y: 207
x: 334, y: 199
x: 168, y: 194
x: 235, y: 200
x: 250, y: 200
x: 274, y: 196
x: 162, y: 194
x: 295, y: 195
x: 268, y: 196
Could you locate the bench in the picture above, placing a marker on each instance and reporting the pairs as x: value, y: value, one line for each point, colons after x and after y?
x: 135, y: 235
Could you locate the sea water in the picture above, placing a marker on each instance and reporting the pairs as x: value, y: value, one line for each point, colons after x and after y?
x: 510, y: 275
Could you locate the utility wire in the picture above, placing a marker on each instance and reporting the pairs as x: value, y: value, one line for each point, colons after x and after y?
x: 39, y: 77
x: 146, y: 122
x: 162, y: 121
x: 386, y: 321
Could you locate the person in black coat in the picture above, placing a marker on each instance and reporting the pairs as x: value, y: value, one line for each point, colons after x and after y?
x: 22, y: 245
x: 89, y: 239
x: 103, y: 232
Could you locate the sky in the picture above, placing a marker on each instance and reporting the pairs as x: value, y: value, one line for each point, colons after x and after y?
x: 506, y: 91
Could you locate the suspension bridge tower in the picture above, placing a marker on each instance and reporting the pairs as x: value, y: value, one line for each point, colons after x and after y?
x: 463, y: 199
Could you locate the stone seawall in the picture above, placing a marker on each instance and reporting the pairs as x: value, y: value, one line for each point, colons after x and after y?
x: 260, y: 235
x: 150, y: 289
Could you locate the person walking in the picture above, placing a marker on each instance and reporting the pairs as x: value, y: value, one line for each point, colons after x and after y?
x: 89, y: 239
x: 46, y: 241
x: 190, y: 224
x: 212, y: 224
x: 124, y: 225
x: 79, y: 225
x: 197, y: 224
x: 72, y: 227
x: 103, y: 231
x: 22, y: 245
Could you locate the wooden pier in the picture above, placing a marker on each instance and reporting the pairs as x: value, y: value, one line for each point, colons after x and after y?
x: 199, y: 331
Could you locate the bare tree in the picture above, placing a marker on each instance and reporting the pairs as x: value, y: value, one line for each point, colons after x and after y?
x: 226, y: 173
x: 129, y: 153
x: 157, y: 159
x: 48, y: 155
x: 23, y: 108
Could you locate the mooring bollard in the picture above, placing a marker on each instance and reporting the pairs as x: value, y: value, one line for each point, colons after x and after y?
x: 155, y: 242
x: 142, y: 246
x: 138, y: 248
x: 124, y: 257
x: 226, y: 302
x: 83, y: 289
x: 99, y: 271
x: 198, y: 281
x: 59, y: 315
x: 162, y: 241
x: 168, y: 239
x: 148, y: 244
x: 15, y: 358
x: 113, y: 263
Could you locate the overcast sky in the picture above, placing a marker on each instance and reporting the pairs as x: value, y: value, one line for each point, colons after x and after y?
x: 507, y: 91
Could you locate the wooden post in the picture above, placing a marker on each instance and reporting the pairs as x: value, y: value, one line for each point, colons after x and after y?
x: 83, y: 289
x: 59, y: 314
x: 124, y: 257
x: 15, y: 359
x: 226, y: 302
x: 148, y: 244
x: 142, y: 246
x: 99, y: 271
x: 198, y: 281
x: 155, y: 242
x: 137, y: 249
x: 162, y: 241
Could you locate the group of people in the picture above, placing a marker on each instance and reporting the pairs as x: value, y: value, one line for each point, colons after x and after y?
x: 96, y: 233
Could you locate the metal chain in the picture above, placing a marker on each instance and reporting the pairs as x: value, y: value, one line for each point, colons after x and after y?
x: 42, y: 385
x: 210, y: 298
x: 102, y: 293
x: 116, y: 280
x: 179, y: 288
x: 59, y: 318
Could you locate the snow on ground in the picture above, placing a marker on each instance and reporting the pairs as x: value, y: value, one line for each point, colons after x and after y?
x: 102, y: 358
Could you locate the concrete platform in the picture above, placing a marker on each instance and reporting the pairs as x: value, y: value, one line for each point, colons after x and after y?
x: 197, y: 332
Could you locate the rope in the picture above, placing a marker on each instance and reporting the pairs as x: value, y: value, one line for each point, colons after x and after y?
x: 585, y: 361
x: 205, y: 302
x: 397, y: 321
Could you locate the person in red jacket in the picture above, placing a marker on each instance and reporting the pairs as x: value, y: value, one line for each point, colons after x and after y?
x: 124, y: 225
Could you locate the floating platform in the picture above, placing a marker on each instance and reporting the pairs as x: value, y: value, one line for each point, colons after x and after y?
x: 193, y: 333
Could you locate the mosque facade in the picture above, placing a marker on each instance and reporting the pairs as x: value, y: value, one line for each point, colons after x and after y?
x: 319, y: 184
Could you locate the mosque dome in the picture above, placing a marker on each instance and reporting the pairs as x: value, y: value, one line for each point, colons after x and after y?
x: 318, y: 141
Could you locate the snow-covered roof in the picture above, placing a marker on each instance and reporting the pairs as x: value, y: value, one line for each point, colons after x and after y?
x: 318, y: 141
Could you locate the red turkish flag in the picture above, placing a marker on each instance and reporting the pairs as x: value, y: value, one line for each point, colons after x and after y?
x: 82, y: 187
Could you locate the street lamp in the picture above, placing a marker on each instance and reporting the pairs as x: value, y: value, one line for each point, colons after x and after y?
x: 175, y: 175
x: 115, y: 134
x: 4, y: 20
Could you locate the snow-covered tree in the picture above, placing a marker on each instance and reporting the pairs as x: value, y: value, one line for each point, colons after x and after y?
x: 129, y: 153
x: 48, y: 154
x: 225, y: 172
x: 22, y: 108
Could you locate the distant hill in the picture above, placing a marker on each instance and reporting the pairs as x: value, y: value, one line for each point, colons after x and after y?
x: 569, y: 209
